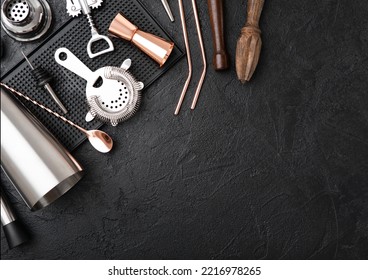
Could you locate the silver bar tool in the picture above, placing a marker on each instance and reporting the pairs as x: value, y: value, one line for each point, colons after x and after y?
x: 43, y: 77
x: 13, y: 229
x: 168, y: 10
x: 74, y: 7
x: 39, y: 167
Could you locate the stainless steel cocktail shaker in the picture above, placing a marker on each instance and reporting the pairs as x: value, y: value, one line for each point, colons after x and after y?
x: 39, y: 167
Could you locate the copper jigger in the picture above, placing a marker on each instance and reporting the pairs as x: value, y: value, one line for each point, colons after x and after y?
x: 155, y: 47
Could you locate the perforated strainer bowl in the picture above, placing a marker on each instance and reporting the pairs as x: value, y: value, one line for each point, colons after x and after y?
x: 17, y: 10
x: 25, y: 20
x: 120, y: 99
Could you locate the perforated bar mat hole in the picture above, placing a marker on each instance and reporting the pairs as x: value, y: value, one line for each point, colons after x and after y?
x: 70, y: 88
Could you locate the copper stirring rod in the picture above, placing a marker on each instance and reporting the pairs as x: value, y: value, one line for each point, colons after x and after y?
x: 189, y: 59
x: 43, y: 107
x: 200, y: 83
x: 100, y: 140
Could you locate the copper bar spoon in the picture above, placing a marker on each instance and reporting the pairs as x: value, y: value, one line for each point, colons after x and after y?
x: 100, y: 140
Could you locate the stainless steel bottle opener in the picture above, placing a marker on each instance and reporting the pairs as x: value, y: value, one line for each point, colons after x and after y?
x: 74, y: 8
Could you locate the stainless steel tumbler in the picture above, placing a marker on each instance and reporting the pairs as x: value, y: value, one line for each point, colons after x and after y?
x: 39, y: 167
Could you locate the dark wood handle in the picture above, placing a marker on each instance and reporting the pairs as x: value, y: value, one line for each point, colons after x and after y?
x: 254, y: 10
x: 220, y: 57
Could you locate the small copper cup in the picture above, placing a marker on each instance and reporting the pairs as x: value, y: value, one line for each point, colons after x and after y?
x: 155, y: 47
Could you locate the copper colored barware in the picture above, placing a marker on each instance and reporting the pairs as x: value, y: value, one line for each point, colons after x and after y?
x: 157, y: 48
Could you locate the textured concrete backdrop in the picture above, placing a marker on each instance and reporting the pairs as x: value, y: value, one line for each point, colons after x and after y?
x: 274, y: 169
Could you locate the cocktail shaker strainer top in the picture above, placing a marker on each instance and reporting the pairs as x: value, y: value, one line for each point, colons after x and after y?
x: 26, y: 20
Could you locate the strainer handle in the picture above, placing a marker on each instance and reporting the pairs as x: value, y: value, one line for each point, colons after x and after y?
x: 67, y: 59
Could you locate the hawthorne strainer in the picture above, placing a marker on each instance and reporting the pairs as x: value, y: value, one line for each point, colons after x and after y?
x: 113, y: 94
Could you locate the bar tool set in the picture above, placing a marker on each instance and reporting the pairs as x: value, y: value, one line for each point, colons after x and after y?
x: 38, y: 165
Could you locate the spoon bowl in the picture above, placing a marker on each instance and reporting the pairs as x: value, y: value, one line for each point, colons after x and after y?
x: 100, y: 140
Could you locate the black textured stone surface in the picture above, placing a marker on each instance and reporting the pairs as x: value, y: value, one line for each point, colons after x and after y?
x: 274, y: 169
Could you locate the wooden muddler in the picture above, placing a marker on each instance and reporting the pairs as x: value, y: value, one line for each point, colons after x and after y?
x: 249, y: 43
x: 220, y: 57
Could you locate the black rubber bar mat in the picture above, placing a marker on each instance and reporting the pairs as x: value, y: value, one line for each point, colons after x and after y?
x: 70, y: 88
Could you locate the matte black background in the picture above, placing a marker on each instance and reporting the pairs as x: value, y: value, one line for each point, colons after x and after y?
x: 274, y: 169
